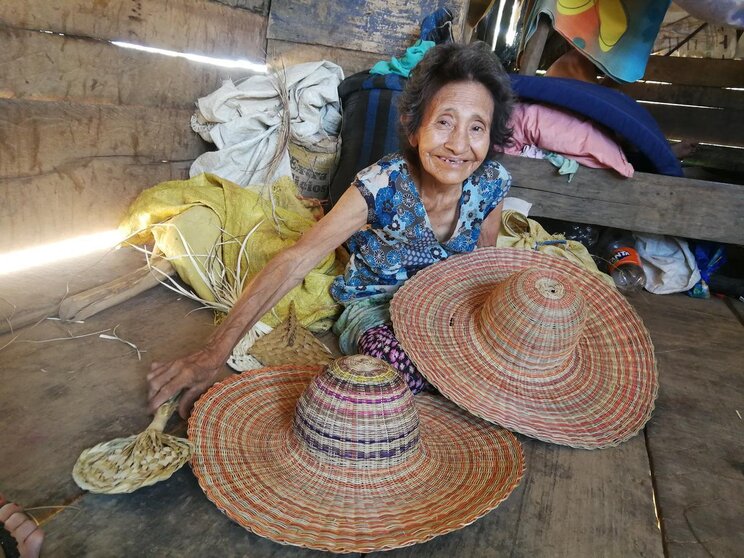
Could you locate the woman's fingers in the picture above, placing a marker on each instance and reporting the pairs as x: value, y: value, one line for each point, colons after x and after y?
x: 6, y: 514
x: 162, y: 393
x: 29, y: 537
x: 33, y: 543
x: 188, y: 399
x: 161, y: 378
x: 161, y: 373
x: 193, y: 373
x: 24, y: 530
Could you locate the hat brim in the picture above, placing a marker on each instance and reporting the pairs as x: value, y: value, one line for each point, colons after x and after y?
x: 250, y: 463
x: 601, y: 398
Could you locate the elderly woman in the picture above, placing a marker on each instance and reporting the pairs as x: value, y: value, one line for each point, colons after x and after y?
x: 441, y: 196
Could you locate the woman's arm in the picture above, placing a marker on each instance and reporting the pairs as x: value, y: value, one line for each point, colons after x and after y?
x: 490, y: 227
x: 194, y: 373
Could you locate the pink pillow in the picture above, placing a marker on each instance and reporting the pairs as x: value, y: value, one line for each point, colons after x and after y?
x: 561, y: 132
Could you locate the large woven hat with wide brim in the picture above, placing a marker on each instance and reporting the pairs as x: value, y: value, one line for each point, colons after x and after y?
x: 531, y: 342
x: 344, y: 459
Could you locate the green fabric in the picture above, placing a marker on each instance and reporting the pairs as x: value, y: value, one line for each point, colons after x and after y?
x: 360, y: 315
x: 564, y: 165
x: 403, y: 66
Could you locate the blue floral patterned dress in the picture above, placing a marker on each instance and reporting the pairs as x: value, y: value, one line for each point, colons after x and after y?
x: 397, y: 242
x: 399, y: 239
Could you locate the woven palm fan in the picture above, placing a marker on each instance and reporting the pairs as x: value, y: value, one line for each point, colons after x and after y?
x: 290, y: 343
x: 123, y: 465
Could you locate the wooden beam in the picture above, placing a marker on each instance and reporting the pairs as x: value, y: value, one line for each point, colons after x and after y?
x: 645, y: 203
x: 685, y: 94
x: 721, y: 158
x: 194, y: 26
x: 44, y: 67
x: 86, y: 304
x: 35, y: 293
x: 699, y: 124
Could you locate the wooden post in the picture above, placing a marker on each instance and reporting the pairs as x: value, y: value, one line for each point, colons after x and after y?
x: 534, y: 49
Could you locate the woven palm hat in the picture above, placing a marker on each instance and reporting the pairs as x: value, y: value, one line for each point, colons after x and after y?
x: 531, y: 342
x: 344, y: 459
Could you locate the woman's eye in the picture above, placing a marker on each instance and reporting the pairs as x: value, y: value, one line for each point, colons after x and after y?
x: 478, y: 128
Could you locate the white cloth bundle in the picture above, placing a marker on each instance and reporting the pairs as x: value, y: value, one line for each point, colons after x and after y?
x: 244, y: 121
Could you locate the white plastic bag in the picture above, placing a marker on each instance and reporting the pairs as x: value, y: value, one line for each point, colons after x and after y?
x: 668, y: 263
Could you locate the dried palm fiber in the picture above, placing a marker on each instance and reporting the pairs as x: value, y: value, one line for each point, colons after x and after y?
x: 290, y: 343
x: 252, y: 228
x: 218, y: 236
x: 123, y: 465
x: 346, y: 459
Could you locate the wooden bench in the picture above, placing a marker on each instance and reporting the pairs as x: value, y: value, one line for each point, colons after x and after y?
x: 692, y: 99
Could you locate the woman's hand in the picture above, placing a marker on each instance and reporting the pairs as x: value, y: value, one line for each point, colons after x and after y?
x: 29, y: 537
x: 193, y: 373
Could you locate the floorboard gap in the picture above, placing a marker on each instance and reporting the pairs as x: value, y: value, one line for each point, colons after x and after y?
x: 655, y: 495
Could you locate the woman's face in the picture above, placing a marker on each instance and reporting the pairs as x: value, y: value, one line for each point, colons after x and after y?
x: 454, y: 137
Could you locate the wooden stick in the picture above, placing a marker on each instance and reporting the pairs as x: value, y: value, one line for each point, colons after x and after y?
x: 534, y: 49
x: 86, y: 304
x: 23, y: 318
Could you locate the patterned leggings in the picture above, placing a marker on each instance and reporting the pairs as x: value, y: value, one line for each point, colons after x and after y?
x: 380, y: 342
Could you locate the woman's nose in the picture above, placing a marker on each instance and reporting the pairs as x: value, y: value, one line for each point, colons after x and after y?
x: 457, y: 141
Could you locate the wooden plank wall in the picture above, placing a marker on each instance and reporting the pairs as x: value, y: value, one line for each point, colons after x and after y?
x: 697, y: 100
x: 353, y: 34
x: 86, y: 125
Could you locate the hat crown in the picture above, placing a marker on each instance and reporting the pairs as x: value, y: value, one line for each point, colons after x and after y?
x: 358, y: 413
x: 535, y: 317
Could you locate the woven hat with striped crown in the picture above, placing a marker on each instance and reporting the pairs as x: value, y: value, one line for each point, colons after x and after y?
x: 345, y: 459
x: 530, y: 342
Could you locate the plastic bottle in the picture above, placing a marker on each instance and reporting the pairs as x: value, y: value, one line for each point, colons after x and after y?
x: 624, y: 263
x: 586, y: 234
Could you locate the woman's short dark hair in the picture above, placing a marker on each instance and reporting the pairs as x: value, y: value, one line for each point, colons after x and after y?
x: 449, y: 63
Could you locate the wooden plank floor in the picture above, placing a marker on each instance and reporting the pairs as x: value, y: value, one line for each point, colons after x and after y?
x: 33, y: 294
x: 696, y: 437
x: 59, y: 397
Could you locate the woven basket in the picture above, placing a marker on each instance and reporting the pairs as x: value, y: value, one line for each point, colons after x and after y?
x: 123, y: 465
x: 290, y: 343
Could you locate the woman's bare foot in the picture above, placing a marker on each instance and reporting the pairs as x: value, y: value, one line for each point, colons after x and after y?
x: 684, y: 148
x: 22, y: 528
x: 573, y: 65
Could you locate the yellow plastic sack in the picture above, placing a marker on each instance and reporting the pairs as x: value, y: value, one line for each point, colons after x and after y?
x: 517, y: 231
x: 194, y: 216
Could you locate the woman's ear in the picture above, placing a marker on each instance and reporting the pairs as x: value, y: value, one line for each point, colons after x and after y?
x: 405, y: 120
